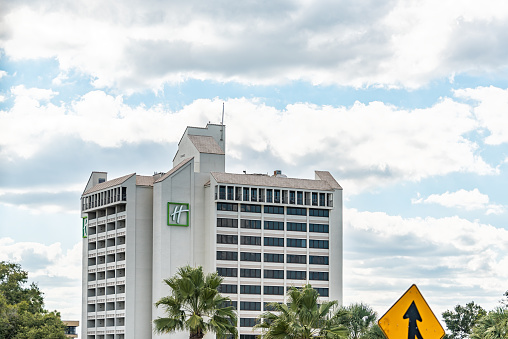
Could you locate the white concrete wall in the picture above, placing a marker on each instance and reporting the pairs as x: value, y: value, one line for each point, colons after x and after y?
x: 173, y: 246
x: 143, y: 233
x: 336, y: 249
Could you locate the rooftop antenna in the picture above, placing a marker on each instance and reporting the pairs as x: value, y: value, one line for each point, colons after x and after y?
x: 222, y: 124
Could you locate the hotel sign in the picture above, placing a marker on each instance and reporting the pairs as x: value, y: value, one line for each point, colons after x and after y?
x: 178, y: 214
x: 84, y: 229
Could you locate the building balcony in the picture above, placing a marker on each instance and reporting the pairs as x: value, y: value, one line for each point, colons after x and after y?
x: 121, y: 215
x: 101, y: 220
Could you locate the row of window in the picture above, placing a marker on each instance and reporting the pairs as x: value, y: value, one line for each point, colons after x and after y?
x: 273, y: 195
x: 270, y: 257
x: 270, y: 241
x: 272, y: 225
x: 252, y: 289
x: 269, y: 209
x: 270, y: 274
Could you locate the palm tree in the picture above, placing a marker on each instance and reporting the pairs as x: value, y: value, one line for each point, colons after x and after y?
x: 301, y: 318
x: 492, y: 326
x: 196, y: 306
x: 358, y: 318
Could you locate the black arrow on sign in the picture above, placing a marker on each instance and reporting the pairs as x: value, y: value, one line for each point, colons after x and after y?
x: 413, y: 315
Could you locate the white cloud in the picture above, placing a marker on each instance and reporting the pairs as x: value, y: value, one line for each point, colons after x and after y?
x: 361, y: 43
x: 468, y: 200
x: 57, y: 272
x: 491, y: 105
x: 448, y: 259
x: 366, y: 144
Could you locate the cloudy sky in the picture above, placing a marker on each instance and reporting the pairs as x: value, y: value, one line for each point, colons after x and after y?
x: 404, y: 102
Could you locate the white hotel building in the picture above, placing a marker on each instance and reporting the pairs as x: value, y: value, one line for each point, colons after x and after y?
x: 262, y: 233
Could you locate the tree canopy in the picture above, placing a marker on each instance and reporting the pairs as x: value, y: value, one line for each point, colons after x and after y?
x: 22, y: 313
x: 461, y: 320
x: 302, y: 317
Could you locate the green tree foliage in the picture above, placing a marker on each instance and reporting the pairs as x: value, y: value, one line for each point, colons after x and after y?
x: 360, y: 319
x: 196, y: 306
x: 302, y: 317
x: 492, y: 326
x: 22, y: 313
x: 461, y: 320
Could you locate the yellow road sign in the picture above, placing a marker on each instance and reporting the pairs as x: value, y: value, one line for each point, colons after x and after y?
x: 411, y: 317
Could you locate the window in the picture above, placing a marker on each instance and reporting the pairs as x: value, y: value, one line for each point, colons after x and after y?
x: 227, y: 272
x: 291, y: 197
x: 250, y: 289
x: 296, y: 211
x: 297, y: 275
x: 245, y: 194
x: 322, y: 199
x: 251, y: 208
x: 250, y: 273
x: 274, y: 274
x: 296, y: 242
x: 222, y: 206
x: 314, y: 199
x: 231, y: 193
x: 227, y: 222
x: 271, y: 257
x: 273, y: 290
x: 318, y: 260
x: 228, y: 303
x: 276, y: 196
x: 299, y: 198
x: 296, y: 259
x: 247, y: 256
x: 225, y: 288
x: 314, y: 212
x: 250, y: 306
x: 247, y: 322
x: 274, y: 225
x: 227, y: 239
x: 268, y: 306
x: 297, y: 226
x: 274, y: 242
x: 248, y: 336
x: 222, y: 192
x: 254, y: 224
x: 319, y: 228
x: 322, y: 291
x: 269, y: 195
x: 253, y: 194
x: 248, y: 240
x: 318, y: 243
x: 225, y: 255
x: 318, y: 276
x: 274, y: 209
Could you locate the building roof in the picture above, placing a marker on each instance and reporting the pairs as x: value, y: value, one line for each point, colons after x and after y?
x: 205, y: 144
x: 144, y: 180
x: 272, y: 181
x: 174, y: 169
x: 326, y: 176
x: 109, y: 183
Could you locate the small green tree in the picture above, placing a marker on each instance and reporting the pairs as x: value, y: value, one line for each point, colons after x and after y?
x: 462, y: 319
x: 22, y: 313
x: 195, y: 305
x: 301, y: 318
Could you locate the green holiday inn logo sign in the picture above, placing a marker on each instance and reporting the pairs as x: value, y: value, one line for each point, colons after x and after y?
x: 178, y: 214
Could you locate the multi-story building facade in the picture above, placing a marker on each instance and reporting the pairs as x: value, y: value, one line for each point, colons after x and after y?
x: 262, y: 233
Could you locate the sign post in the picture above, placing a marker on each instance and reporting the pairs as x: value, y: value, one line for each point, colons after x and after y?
x: 411, y: 318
